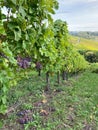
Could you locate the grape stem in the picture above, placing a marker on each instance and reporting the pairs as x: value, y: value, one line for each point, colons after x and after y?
x: 47, y: 82
x: 58, y: 77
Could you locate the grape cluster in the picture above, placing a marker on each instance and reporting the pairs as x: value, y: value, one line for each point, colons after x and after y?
x: 24, y: 116
x: 38, y: 66
x: 23, y: 62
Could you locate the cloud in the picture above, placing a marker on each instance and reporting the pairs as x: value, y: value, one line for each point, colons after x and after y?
x: 91, y: 0
x: 79, y: 14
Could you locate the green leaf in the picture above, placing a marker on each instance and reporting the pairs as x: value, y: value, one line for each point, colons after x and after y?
x: 7, y: 52
x: 2, y: 31
x: 24, y: 45
x: 1, y: 124
x: 3, y: 16
x: 14, y: 1
x: 1, y: 78
x: 3, y: 99
x: 3, y: 109
x: 21, y: 2
x: 5, y: 89
x: 22, y: 11
x: 17, y: 33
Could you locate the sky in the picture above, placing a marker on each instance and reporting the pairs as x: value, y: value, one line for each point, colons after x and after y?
x: 80, y: 15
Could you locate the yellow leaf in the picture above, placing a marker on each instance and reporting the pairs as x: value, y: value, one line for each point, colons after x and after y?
x: 44, y: 101
x: 44, y: 112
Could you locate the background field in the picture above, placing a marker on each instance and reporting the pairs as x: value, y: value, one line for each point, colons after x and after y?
x: 83, y: 43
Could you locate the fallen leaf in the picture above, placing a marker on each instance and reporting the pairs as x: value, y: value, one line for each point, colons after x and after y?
x: 37, y: 104
x: 44, y: 112
x: 71, y: 108
x: 44, y: 101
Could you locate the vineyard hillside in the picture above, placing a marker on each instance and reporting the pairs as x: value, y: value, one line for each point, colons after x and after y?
x: 83, y: 43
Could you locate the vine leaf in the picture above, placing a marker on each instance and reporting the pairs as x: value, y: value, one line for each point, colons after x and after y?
x: 17, y: 33
x: 22, y: 12
x: 14, y: 2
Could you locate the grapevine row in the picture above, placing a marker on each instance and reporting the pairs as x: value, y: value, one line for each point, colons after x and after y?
x: 30, y: 39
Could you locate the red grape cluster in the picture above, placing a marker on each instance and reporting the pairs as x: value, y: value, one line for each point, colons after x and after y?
x: 23, y: 62
x: 24, y: 116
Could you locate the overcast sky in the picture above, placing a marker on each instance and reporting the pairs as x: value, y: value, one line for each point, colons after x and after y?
x: 80, y: 15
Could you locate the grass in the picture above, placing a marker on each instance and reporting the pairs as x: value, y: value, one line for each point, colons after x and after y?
x: 72, y: 105
x: 82, y: 43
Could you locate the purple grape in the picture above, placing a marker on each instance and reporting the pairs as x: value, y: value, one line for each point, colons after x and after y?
x: 22, y: 121
x: 23, y: 62
x: 20, y: 113
x: 38, y: 66
x: 28, y: 59
x: 20, y: 64
x: 26, y: 120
